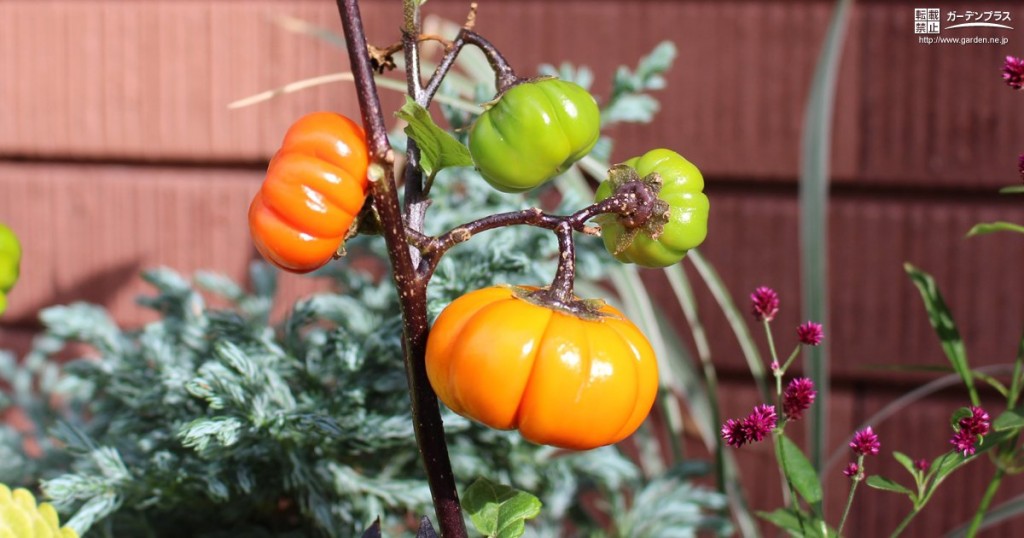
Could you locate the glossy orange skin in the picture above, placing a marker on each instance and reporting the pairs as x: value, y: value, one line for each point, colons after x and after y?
x: 559, y: 379
x: 315, y: 186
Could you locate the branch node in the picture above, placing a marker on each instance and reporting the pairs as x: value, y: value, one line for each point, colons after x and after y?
x: 382, y: 59
x: 375, y: 172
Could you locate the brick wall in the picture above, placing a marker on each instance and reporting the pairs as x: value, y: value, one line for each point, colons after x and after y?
x: 117, y: 153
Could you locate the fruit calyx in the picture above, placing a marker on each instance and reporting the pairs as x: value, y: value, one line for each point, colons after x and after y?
x: 586, y: 309
x: 646, y: 213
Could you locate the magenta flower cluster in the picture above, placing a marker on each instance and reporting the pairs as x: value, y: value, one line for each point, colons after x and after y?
x: 798, y: 397
x: 810, y: 333
x: 865, y: 442
x: 971, y: 428
x: 765, y: 303
x: 1013, y: 75
x: 1013, y: 72
x: 758, y: 424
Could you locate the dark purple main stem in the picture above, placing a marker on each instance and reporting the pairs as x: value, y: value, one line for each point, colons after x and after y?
x: 411, y: 289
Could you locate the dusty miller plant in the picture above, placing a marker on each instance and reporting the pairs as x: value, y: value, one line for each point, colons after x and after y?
x: 214, y: 422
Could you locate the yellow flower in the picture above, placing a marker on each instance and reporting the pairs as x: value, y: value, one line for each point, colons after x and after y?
x: 21, y: 518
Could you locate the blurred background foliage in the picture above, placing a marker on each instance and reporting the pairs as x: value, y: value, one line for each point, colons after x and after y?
x: 214, y: 422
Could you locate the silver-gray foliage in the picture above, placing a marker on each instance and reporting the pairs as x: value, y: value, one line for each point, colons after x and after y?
x: 213, y: 422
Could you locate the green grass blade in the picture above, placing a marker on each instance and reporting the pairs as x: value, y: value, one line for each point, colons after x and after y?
x: 736, y: 321
x: 815, y: 158
x: 698, y: 400
x: 1007, y: 510
x: 680, y: 284
x: 631, y: 290
x: 942, y: 321
x: 684, y: 296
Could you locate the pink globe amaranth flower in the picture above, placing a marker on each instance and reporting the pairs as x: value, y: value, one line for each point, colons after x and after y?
x: 1013, y: 72
x: 734, y: 433
x: 964, y: 441
x: 760, y: 422
x: 979, y: 423
x: 1020, y: 166
x: 798, y: 397
x: 810, y: 333
x: 765, y: 303
x: 865, y: 442
x: 851, y: 470
x: 922, y: 465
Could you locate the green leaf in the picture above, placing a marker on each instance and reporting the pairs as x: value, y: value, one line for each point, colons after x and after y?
x: 992, y: 382
x: 582, y: 76
x: 942, y: 321
x: 497, y: 510
x: 629, y: 101
x: 1012, y: 189
x: 799, y: 471
x: 630, y: 108
x: 737, y: 321
x: 994, y: 439
x: 648, y: 72
x: 959, y: 414
x: 438, y: 148
x: 942, y: 467
x: 992, y: 227
x: 883, y: 483
x: 785, y: 520
x: 797, y: 524
x: 658, y: 61
x: 905, y: 461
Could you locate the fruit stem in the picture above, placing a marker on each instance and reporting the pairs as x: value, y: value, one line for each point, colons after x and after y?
x: 504, y: 76
x: 412, y: 291
x: 433, y: 248
x: 561, y: 286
